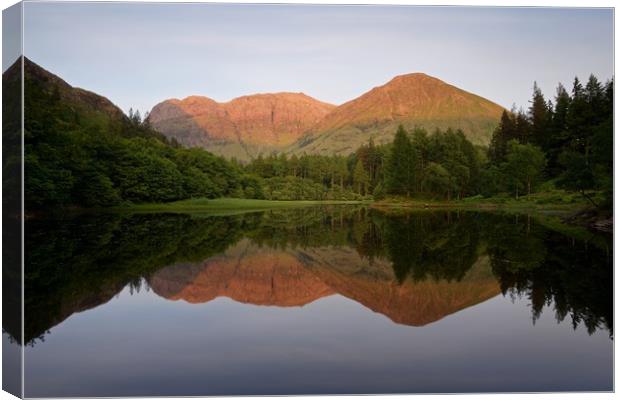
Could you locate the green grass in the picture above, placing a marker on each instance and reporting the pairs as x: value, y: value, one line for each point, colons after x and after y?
x: 226, y: 205
x: 549, y: 208
x: 553, y: 201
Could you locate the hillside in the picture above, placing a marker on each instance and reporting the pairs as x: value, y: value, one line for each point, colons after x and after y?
x: 82, y: 151
x: 91, y: 107
x: 296, y: 123
x: 413, y: 100
x: 242, y: 127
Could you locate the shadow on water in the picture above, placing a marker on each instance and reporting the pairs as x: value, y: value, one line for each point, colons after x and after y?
x: 414, y: 268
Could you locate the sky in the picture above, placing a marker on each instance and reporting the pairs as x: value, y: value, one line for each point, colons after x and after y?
x: 139, y: 54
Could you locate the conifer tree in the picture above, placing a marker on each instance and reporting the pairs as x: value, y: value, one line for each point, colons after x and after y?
x: 400, y: 167
x: 539, y: 119
x: 360, y: 177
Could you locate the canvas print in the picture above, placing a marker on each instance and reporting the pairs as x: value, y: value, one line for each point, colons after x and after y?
x: 286, y: 199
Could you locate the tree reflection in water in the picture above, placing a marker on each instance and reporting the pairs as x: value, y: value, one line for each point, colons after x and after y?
x: 414, y: 267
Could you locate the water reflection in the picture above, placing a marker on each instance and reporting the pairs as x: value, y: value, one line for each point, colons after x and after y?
x: 414, y: 268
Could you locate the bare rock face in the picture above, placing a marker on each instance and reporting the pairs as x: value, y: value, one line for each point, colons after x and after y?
x: 276, y: 120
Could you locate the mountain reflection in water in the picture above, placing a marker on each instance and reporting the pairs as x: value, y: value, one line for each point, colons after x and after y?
x: 414, y: 268
x: 289, y: 277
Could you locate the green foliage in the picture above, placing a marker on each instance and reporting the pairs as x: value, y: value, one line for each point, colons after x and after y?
x: 360, y: 178
x: 575, y: 136
x: 523, y: 167
x: 492, y: 181
x: 437, y: 180
x: 317, y: 177
x: 295, y: 188
x: 444, y: 164
x: 77, y: 156
x: 379, y: 192
x: 401, y: 165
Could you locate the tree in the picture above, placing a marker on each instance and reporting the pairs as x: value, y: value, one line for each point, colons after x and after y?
x: 522, y: 127
x: 437, y: 180
x: 505, y: 132
x: 400, y: 166
x: 539, y: 115
x: 492, y: 181
x: 524, y: 165
x: 577, y: 174
x: 360, y: 178
x: 558, y: 131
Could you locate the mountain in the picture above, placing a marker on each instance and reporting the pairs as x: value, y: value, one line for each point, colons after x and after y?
x: 413, y: 100
x: 242, y: 127
x: 296, y: 123
x: 40, y: 81
x: 82, y: 151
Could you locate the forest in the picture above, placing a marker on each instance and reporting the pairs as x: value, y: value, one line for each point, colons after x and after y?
x: 81, y: 159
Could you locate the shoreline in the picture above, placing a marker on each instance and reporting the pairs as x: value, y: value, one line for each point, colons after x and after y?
x: 575, y: 213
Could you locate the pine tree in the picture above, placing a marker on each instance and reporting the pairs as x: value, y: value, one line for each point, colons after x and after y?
x: 137, y: 119
x: 360, y: 177
x: 400, y: 166
x: 522, y: 127
x: 539, y: 119
x: 505, y: 132
x: 558, y: 132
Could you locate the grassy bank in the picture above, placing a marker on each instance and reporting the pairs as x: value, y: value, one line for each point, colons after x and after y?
x: 227, y: 205
x: 551, y: 202
x: 555, y: 202
x: 557, y: 210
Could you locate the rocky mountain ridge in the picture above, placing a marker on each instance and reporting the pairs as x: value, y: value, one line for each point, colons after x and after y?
x: 297, y: 123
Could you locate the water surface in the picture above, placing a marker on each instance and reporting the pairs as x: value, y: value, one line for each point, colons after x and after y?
x: 316, y: 300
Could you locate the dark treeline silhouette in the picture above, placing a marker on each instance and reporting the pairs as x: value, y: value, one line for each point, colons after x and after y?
x: 570, y: 139
x: 309, y: 177
x: 74, y: 157
x: 78, y: 263
x: 444, y: 164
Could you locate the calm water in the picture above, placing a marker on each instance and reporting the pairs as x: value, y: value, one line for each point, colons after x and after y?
x: 319, y: 300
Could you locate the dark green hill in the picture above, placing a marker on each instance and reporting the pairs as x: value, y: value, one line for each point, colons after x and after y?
x: 82, y: 150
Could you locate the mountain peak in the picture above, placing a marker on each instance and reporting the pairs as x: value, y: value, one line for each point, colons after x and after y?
x: 247, y: 124
x: 77, y: 97
x: 413, y: 76
x: 293, y: 121
x: 415, y: 80
x: 414, y: 99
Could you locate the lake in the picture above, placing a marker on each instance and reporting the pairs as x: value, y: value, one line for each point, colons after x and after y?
x: 321, y: 300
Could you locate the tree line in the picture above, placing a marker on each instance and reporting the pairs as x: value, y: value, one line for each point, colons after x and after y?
x: 568, y: 142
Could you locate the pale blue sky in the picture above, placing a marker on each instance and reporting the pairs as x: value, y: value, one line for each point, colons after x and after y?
x: 140, y: 54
